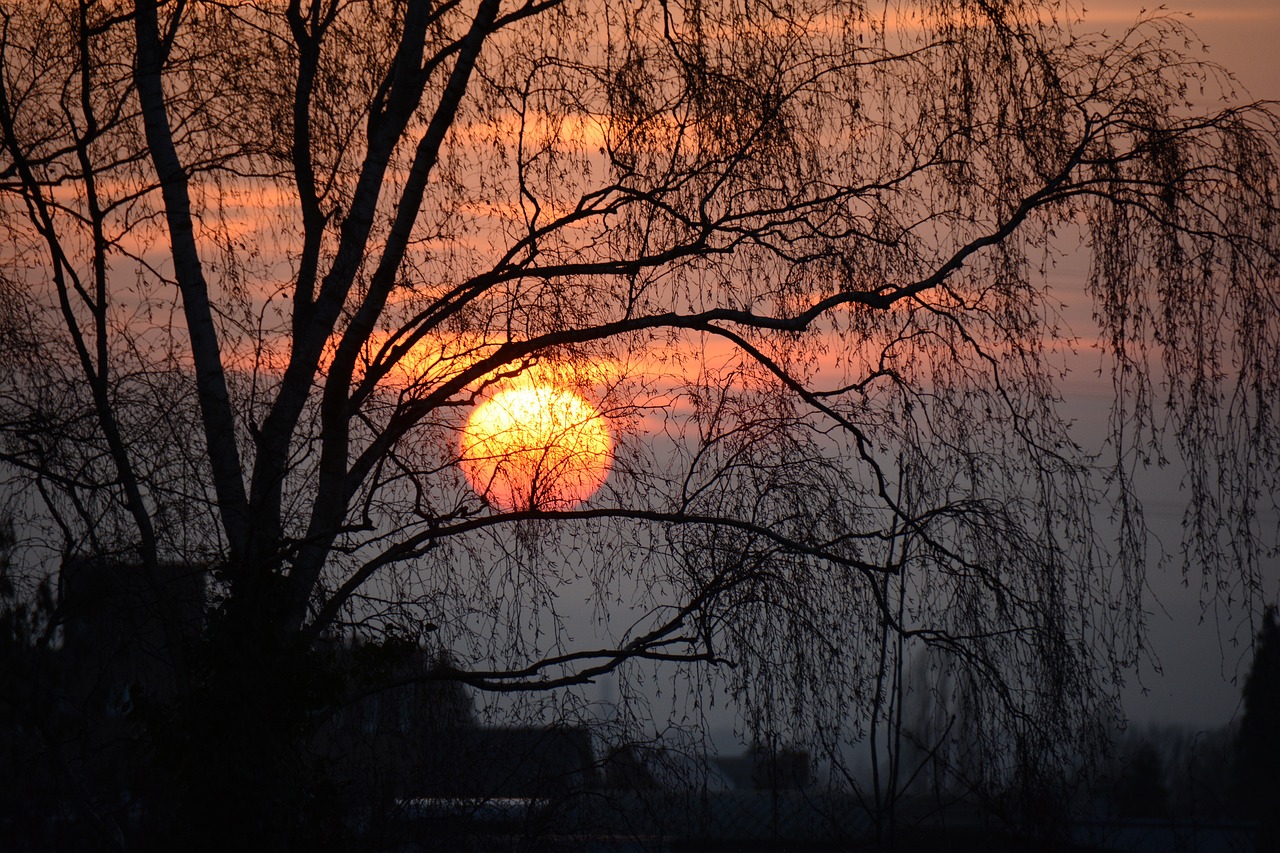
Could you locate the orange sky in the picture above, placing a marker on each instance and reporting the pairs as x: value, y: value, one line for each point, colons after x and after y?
x: 1243, y: 35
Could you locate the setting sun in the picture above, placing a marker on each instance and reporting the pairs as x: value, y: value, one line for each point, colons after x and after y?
x: 536, y: 447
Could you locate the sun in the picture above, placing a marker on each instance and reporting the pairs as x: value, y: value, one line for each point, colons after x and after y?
x: 536, y: 447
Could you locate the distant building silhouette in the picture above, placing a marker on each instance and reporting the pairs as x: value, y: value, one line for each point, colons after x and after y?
x: 420, y: 739
x: 761, y: 769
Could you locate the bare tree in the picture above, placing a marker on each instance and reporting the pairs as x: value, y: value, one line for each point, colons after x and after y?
x: 269, y: 254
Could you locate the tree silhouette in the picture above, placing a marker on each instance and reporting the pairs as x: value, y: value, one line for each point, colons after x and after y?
x: 1140, y: 790
x: 1258, y: 739
x: 269, y: 255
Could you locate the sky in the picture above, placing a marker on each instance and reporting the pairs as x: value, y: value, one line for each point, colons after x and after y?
x: 1241, y: 35
x: 1202, y: 650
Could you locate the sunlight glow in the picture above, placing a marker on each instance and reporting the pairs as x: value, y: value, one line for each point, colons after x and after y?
x: 536, y: 447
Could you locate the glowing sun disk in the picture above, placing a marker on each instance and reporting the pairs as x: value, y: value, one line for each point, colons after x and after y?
x: 537, y: 447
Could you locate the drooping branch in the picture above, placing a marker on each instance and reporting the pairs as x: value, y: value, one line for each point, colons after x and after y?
x: 93, y: 358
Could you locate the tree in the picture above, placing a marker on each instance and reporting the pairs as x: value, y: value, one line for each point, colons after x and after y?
x: 1140, y: 790
x: 269, y: 255
x: 24, y: 636
x: 1258, y: 741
